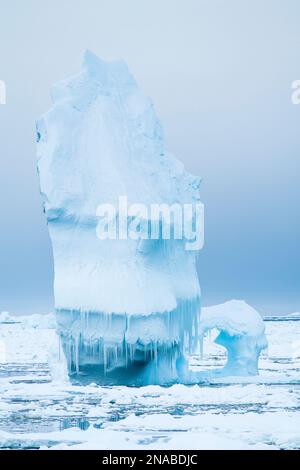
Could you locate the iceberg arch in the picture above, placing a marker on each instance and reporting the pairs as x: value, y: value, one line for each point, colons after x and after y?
x: 241, y: 331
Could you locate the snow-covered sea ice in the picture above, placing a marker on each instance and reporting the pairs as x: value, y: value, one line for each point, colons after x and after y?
x: 40, y: 408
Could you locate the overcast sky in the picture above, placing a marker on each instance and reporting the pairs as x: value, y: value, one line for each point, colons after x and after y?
x: 219, y: 74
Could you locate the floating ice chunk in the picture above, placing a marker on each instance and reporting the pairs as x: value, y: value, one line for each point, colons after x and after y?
x: 5, y: 317
x: 36, y: 320
x: 241, y: 332
x: 57, y: 364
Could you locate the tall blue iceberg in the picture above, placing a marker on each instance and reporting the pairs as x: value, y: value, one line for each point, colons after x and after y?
x: 127, y: 309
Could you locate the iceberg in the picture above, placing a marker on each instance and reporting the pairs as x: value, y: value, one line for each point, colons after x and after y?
x: 241, y: 331
x: 127, y: 309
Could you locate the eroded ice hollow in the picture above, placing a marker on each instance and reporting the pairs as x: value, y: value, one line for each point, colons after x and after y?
x: 127, y: 310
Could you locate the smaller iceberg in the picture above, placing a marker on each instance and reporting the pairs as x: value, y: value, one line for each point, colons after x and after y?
x: 241, y: 332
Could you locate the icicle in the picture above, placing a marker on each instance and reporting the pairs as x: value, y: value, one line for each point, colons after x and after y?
x: 77, y: 355
x: 91, y: 334
x: 201, y: 340
x: 104, y: 358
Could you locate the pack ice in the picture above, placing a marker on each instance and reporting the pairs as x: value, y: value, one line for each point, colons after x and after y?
x: 127, y: 310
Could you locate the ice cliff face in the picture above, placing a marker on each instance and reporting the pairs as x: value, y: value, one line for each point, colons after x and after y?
x: 124, y: 307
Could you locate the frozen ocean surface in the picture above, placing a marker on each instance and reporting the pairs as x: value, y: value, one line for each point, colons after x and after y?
x: 41, y: 410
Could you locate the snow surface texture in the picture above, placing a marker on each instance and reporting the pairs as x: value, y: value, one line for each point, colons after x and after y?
x: 241, y: 332
x: 37, y: 410
x: 126, y: 309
